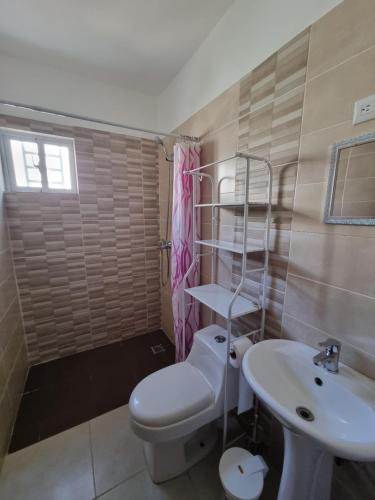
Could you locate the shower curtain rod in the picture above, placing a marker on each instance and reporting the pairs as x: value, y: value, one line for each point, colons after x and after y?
x: 47, y: 111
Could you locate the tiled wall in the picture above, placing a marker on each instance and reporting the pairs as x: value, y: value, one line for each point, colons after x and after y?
x: 87, y: 264
x: 13, y: 359
x: 165, y: 203
x: 270, y: 115
x: 264, y: 111
x: 331, y: 276
x: 322, y: 279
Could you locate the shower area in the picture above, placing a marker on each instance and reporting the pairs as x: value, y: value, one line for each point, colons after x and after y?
x: 87, y: 263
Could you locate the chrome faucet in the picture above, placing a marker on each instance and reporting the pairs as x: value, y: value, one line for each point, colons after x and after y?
x: 329, y: 358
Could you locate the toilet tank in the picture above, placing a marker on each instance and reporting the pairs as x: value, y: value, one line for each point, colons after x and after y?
x: 209, y: 355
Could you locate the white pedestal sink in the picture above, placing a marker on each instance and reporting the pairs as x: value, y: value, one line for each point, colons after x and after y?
x: 323, y: 414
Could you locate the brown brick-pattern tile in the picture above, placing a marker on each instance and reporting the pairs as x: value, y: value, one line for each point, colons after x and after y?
x: 51, y: 207
x: 272, y: 95
x: 270, y: 114
x: 87, y: 264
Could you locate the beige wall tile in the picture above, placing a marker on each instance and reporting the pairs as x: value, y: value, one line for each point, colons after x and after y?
x: 308, y: 208
x: 342, y: 261
x: 219, y: 112
x: 330, y: 97
x: 315, y: 152
x: 220, y: 144
x: 309, y: 211
x: 6, y: 424
x: 342, y: 314
x: 294, y: 329
x: 17, y: 379
x: 342, y: 33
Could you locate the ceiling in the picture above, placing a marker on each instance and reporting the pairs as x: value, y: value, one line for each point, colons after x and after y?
x: 137, y: 44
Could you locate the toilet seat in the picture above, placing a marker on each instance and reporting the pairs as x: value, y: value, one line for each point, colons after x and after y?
x: 185, y: 393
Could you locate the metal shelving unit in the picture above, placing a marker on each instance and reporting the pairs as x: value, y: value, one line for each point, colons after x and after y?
x: 229, y: 246
x: 235, y: 204
x: 229, y: 304
x: 218, y: 299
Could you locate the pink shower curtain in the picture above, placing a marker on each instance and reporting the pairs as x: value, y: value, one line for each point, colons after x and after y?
x: 186, y: 157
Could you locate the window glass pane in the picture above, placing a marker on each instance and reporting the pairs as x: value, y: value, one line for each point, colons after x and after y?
x: 26, y: 174
x: 30, y: 147
x: 66, y: 167
x: 55, y: 177
x: 33, y: 174
x: 51, y: 149
x: 31, y: 160
x: 58, y: 167
x: 54, y: 163
x: 52, y: 170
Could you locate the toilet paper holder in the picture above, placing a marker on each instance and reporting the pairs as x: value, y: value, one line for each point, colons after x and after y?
x: 232, y: 352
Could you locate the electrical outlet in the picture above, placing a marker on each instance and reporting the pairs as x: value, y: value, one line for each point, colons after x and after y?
x: 364, y: 110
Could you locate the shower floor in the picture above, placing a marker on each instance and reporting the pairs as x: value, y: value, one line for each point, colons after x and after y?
x: 66, y: 392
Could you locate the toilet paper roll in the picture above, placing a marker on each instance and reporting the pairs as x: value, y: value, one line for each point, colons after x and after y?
x: 245, y: 392
x: 239, y: 347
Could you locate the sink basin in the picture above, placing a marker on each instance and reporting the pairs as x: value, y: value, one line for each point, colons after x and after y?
x: 323, y: 414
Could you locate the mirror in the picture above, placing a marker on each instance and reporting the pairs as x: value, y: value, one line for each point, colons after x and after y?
x: 351, y: 183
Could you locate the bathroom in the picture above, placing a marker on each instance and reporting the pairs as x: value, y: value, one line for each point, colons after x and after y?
x: 116, y: 382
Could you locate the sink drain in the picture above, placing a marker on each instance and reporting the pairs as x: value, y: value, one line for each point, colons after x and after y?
x: 305, y: 413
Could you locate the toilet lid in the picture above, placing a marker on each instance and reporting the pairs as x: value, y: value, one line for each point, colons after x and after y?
x: 169, y: 395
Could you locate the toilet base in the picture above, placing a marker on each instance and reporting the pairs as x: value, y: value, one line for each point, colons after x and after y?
x: 171, y: 458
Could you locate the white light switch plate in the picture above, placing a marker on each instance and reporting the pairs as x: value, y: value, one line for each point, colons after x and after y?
x: 364, y: 110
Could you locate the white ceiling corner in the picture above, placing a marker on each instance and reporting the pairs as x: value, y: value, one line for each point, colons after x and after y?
x: 136, y: 44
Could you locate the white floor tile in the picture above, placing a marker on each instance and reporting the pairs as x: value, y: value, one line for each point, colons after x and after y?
x: 205, y: 477
x: 58, y: 468
x: 140, y: 487
x: 117, y: 452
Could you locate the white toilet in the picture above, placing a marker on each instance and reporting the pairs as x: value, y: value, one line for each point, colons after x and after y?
x: 174, y: 410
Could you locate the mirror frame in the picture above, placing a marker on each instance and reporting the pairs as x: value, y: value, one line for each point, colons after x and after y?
x: 335, y: 154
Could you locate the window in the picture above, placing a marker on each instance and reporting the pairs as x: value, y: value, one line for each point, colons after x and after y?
x: 38, y: 162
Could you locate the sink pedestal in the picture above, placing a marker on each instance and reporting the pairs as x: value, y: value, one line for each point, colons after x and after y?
x: 307, y: 469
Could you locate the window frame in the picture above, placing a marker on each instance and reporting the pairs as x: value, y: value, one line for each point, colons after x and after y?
x: 6, y: 135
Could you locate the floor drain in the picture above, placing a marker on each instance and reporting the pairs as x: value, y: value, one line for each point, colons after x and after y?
x: 157, y: 349
x: 305, y: 413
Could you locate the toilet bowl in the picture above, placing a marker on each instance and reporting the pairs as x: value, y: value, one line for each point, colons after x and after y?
x: 242, y: 474
x: 174, y: 410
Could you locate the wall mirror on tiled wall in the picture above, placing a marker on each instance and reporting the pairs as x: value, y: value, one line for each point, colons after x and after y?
x: 351, y: 188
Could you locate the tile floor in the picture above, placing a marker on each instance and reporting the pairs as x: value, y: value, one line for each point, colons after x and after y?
x: 103, y: 459
x: 66, y: 392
